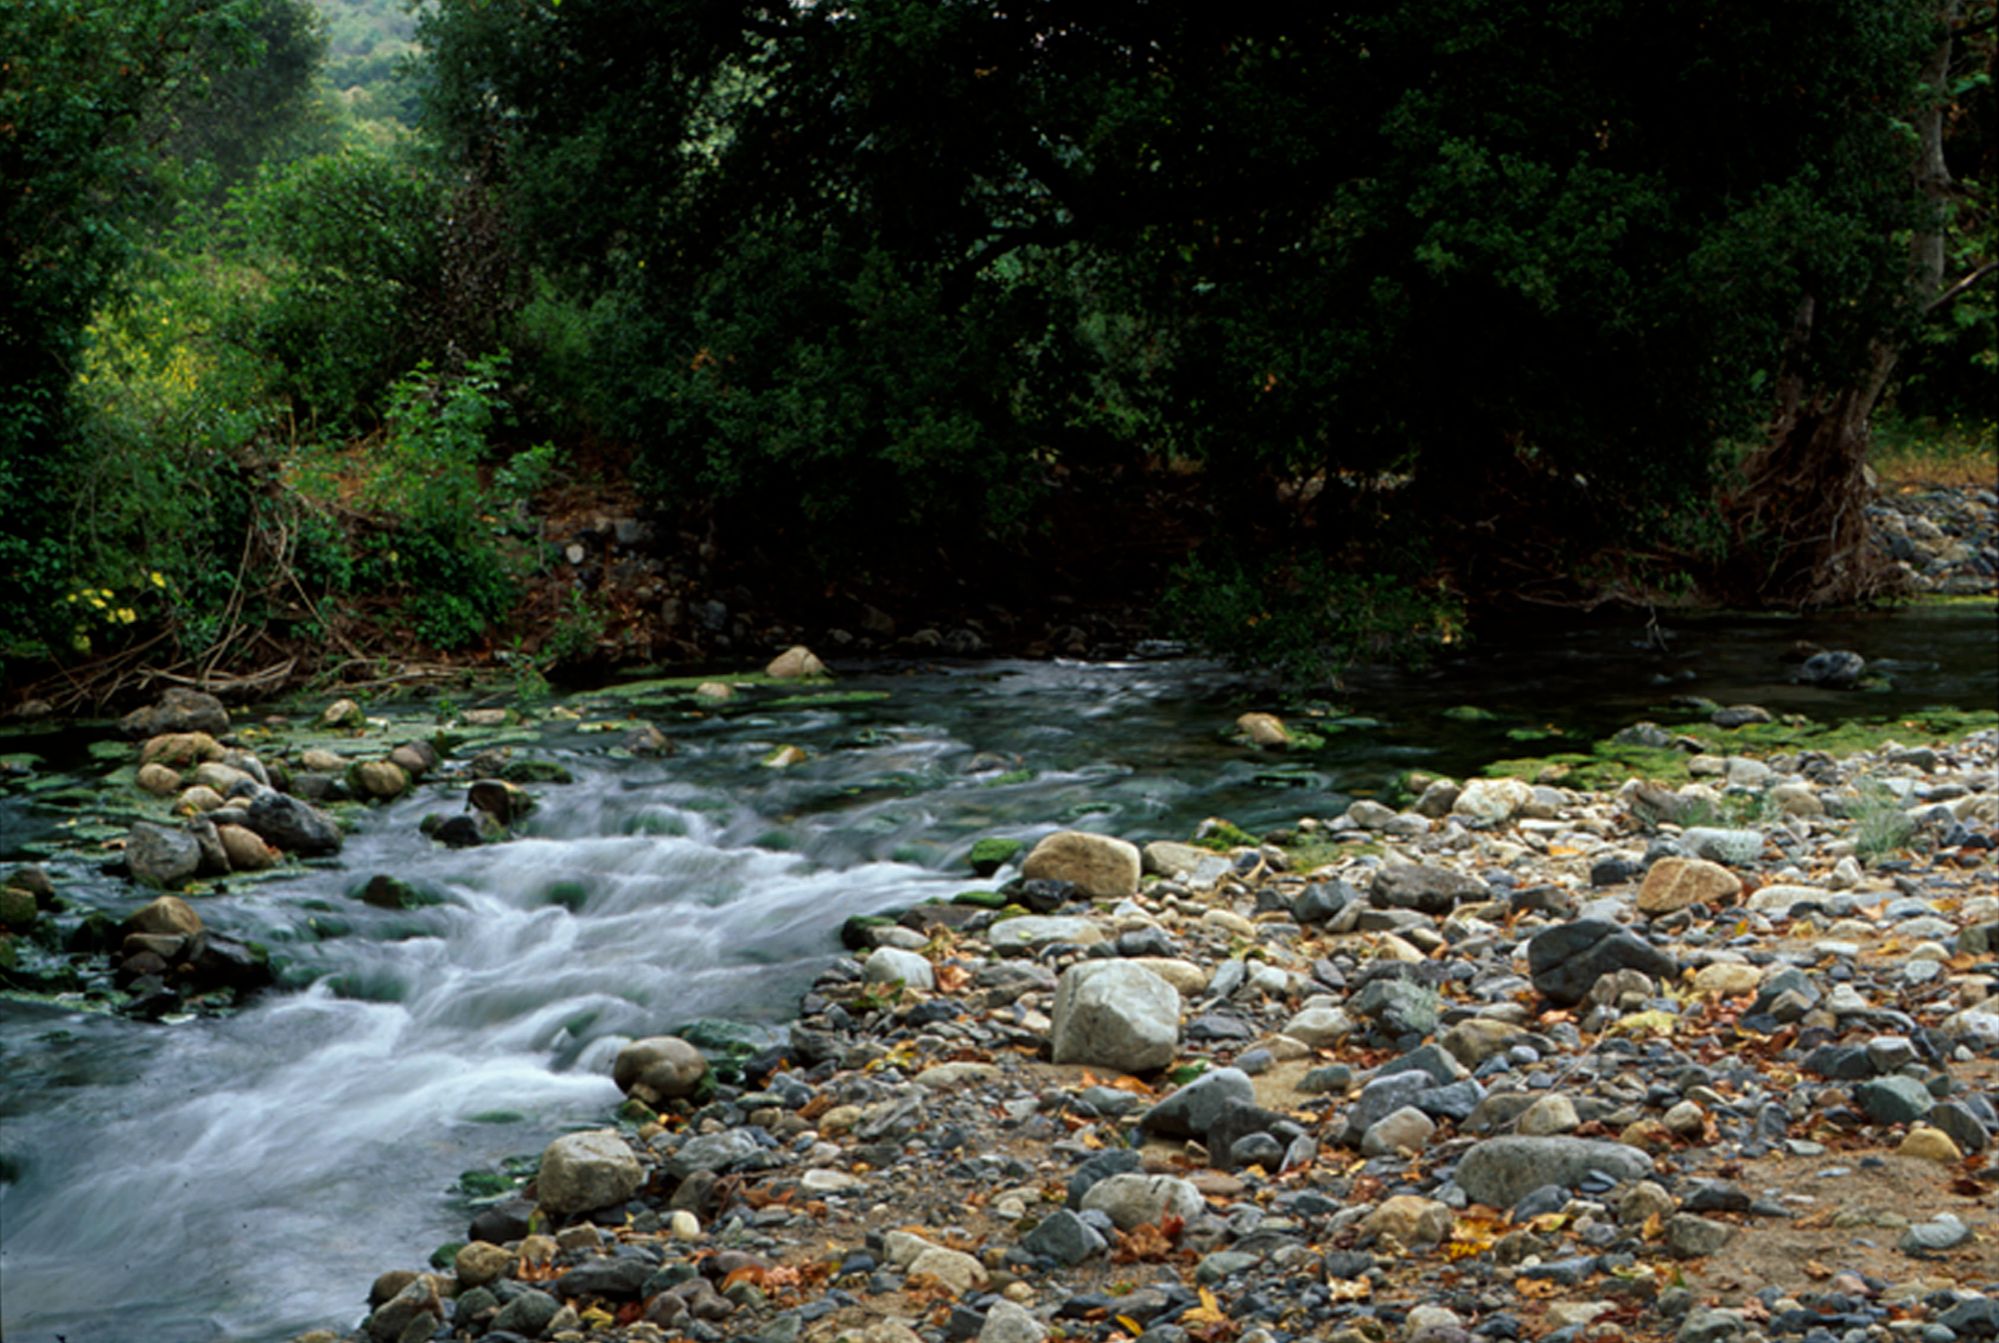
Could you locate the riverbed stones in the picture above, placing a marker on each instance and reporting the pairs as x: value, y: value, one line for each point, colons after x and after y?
x: 1100, y: 866
x: 1567, y: 959
x: 659, y: 1068
x: 158, y: 856
x: 292, y: 825
x: 1499, y: 1172
x: 581, y: 1172
x: 1114, y: 1014
x: 796, y: 663
x: 1673, y: 884
x: 159, y: 780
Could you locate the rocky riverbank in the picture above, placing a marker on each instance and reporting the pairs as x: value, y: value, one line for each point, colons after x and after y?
x: 1512, y: 1061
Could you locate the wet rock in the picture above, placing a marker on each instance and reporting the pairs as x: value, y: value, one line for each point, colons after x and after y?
x: 659, y: 1068
x: 169, y: 915
x: 584, y: 1171
x: 1263, y: 729
x: 1837, y: 669
x: 179, y: 710
x: 1101, y: 867
x: 292, y: 825
x: 378, y: 780
x: 794, y: 664
x: 180, y: 749
x: 158, y: 856
x: 1499, y: 1172
x: 1115, y: 1014
x: 344, y: 713
x: 481, y: 1262
x: 1568, y: 959
x: 158, y: 780
x: 506, y: 803
x: 891, y: 965
x: 246, y: 850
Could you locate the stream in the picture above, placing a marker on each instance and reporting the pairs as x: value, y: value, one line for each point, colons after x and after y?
x: 246, y: 1177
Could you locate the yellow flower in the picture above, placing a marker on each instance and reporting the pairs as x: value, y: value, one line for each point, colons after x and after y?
x: 159, y: 581
x: 97, y: 601
x: 126, y: 615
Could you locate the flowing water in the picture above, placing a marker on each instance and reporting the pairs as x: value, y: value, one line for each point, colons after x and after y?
x: 244, y: 1178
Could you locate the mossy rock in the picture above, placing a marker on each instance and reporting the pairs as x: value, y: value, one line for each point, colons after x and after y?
x: 17, y: 907
x: 386, y: 892
x: 1470, y: 713
x: 991, y: 854
x: 485, y: 1184
x: 569, y: 895
x: 981, y: 899
x: 535, y: 771
x: 445, y: 1255
x: 854, y: 932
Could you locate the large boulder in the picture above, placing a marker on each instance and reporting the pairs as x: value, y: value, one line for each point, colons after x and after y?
x: 659, y: 1068
x: 180, y: 748
x: 581, y: 1172
x: 1115, y: 1015
x: 382, y: 780
x: 1569, y: 958
x: 1099, y: 866
x: 1499, y: 1172
x: 246, y: 849
x: 293, y: 826
x: 179, y: 710
x: 158, y: 856
x: 168, y: 916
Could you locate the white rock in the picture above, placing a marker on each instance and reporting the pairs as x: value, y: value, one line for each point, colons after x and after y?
x: 1115, y: 1015
x: 1131, y: 1199
x: 888, y: 965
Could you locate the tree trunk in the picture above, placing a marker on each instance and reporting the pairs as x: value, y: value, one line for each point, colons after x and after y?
x: 1799, y: 519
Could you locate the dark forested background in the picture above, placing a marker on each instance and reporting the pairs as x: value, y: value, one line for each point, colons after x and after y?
x: 1303, y: 333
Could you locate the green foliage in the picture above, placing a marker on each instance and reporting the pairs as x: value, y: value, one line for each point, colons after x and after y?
x: 1880, y: 826
x: 1306, y: 617
x: 351, y: 254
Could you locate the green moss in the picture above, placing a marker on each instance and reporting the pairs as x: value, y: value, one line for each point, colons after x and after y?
x: 1011, y: 777
x: 1225, y: 835
x: 982, y: 899
x: 1609, y: 763
x: 989, y: 855
x: 1315, y: 851
x: 1470, y: 713
x: 825, y: 698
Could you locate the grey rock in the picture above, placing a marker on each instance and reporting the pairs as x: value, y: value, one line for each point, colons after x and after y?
x: 1959, y: 1124
x: 1065, y: 1238
x: 1192, y: 1110
x: 1430, y: 890
x: 1835, y: 669
x: 285, y: 822
x: 527, y: 1314
x: 1711, y: 1325
x: 1322, y: 901
x: 892, y: 965
x: 178, y: 710
x: 1115, y: 1014
x: 1130, y: 1200
x: 1568, y: 959
x: 1692, y: 1237
x: 716, y: 1152
x: 1116, y: 1161
x: 1940, y: 1233
x: 1894, y: 1100
x: 658, y: 1068
x: 1735, y: 847
x: 1499, y: 1172
x: 158, y: 856
x: 1398, y: 1006
x: 584, y: 1171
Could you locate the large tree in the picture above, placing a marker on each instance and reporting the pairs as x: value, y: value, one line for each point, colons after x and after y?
x: 898, y: 259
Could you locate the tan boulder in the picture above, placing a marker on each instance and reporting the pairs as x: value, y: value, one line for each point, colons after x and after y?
x: 1410, y: 1220
x: 796, y: 663
x: 1675, y: 883
x: 381, y: 780
x: 180, y: 748
x: 159, y: 780
x: 1263, y: 729
x: 246, y: 849
x: 198, y: 799
x: 1099, y: 866
x: 169, y: 915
